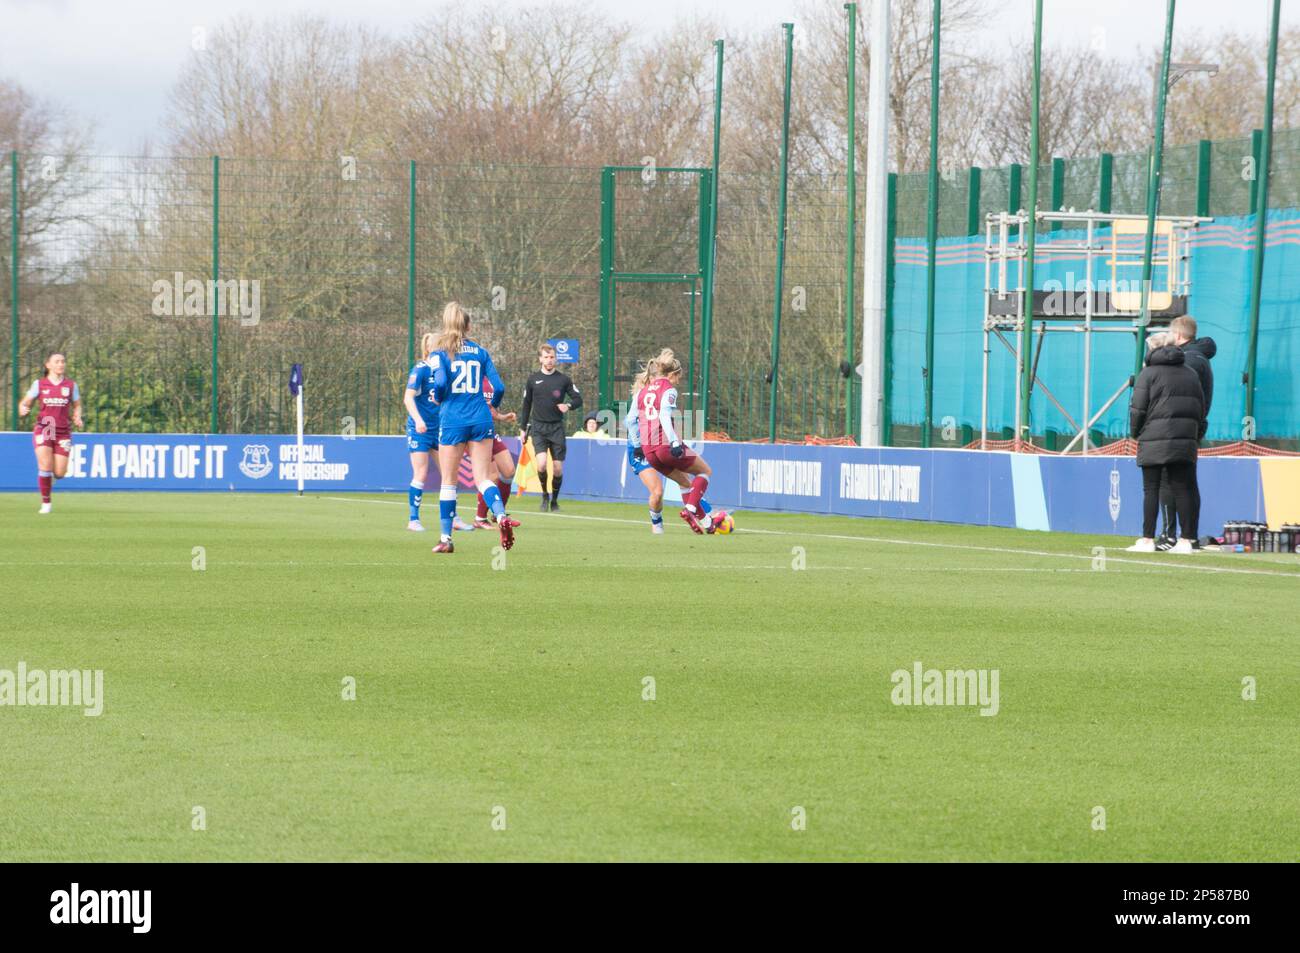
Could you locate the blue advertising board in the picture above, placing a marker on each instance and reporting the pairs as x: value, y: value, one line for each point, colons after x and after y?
x: 566, y: 350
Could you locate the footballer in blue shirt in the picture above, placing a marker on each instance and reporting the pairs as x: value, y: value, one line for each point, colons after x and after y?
x: 459, y: 367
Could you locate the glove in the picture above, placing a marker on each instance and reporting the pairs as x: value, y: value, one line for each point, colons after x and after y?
x: 677, y: 450
x: 638, y: 453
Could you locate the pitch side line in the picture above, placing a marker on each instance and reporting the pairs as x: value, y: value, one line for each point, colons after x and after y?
x: 906, y: 542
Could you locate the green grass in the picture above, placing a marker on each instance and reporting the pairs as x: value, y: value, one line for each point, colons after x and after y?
x: 523, y: 688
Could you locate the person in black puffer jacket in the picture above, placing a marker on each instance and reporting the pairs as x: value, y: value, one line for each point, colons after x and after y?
x: 1167, y: 418
x: 1197, y: 354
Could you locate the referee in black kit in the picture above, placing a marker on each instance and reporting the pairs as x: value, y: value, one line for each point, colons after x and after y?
x: 548, y: 395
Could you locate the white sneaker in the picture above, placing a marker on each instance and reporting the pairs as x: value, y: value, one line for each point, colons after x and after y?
x: 657, y: 528
x: 1142, y: 546
x: 460, y: 526
x: 415, y: 526
x: 1183, y: 548
x: 45, y: 508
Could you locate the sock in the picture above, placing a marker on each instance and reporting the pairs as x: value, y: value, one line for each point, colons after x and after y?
x: 693, y: 496
x: 481, y: 512
x: 503, y: 487
x: 45, y: 479
x: 704, y: 506
x: 656, y: 517
x: 414, y: 494
x: 492, y: 496
x: 543, y: 477
x: 555, y: 486
x: 447, y: 509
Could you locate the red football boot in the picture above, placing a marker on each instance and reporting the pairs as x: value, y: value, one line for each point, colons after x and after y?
x: 507, y: 526
x: 718, y: 517
x: 444, y: 547
x: 691, y: 521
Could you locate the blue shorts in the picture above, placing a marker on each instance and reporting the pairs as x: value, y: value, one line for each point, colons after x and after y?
x: 465, y: 433
x: 637, y: 465
x: 421, y: 442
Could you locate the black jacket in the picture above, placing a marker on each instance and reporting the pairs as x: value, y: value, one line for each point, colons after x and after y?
x: 1197, y: 354
x: 1167, y: 413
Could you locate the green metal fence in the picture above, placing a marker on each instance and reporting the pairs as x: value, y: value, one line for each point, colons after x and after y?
x: 353, y: 260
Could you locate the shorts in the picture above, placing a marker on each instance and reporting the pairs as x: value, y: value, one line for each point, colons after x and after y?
x: 638, y: 466
x: 465, y: 433
x: 421, y: 442
x: 60, y: 443
x: 498, y: 446
x: 548, y: 438
x: 662, y: 459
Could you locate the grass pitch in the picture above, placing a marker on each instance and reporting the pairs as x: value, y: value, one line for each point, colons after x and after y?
x: 517, y: 694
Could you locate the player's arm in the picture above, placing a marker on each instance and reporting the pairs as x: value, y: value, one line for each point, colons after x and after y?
x: 666, y: 408
x: 77, y: 420
x: 493, y: 378
x: 633, y: 426
x: 25, y: 405
x: 526, y: 410
x: 441, y: 379
x: 575, y: 400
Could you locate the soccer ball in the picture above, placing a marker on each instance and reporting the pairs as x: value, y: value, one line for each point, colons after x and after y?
x: 725, y: 525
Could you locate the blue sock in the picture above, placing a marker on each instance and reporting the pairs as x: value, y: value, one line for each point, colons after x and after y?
x: 656, y: 518
x: 704, y: 506
x: 447, y: 508
x: 414, y: 493
x: 492, y: 497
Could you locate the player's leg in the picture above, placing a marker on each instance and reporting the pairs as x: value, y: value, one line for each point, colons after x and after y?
x: 699, y: 469
x: 415, y: 492
x: 543, y: 476
x: 448, y: 466
x: 710, y: 516
x: 480, y: 458
x: 650, y: 478
x: 481, y: 513
x: 62, y: 454
x: 559, y: 448
x: 505, y: 469
x: 45, y: 475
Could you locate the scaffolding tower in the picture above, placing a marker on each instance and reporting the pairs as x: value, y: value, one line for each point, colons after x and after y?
x: 1112, y: 240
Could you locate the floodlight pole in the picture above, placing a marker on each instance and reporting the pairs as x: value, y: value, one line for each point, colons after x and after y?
x: 1031, y: 239
x: 13, y: 285
x: 711, y: 259
x: 1261, y: 217
x: 850, y: 214
x: 875, y: 238
x: 931, y: 226
x: 1153, y: 191
x: 780, y: 237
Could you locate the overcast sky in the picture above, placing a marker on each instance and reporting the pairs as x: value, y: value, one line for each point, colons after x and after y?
x: 114, y: 60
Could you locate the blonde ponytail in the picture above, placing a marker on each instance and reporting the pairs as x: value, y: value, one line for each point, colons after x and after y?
x: 428, y: 343
x: 455, y: 328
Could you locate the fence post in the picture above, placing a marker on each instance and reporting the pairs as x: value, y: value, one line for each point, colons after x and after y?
x: 891, y: 236
x: 850, y: 254
x: 410, y: 273
x: 1013, y: 191
x: 605, y: 373
x: 973, y: 201
x: 216, y: 276
x: 1260, y: 209
x: 13, y: 282
x: 1106, y: 181
x: 1256, y: 145
x: 1058, y: 189
x: 1203, y: 155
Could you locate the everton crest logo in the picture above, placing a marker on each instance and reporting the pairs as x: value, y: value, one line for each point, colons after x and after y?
x: 1114, y: 495
x: 257, y: 461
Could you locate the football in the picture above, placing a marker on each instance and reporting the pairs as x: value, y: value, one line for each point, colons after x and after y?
x: 725, y: 525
